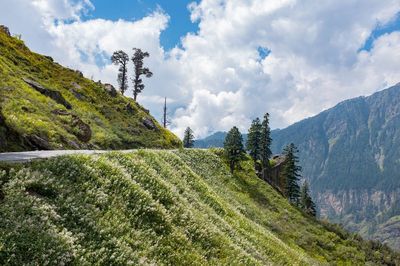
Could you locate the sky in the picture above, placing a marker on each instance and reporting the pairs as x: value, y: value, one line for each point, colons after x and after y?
x: 222, y: 63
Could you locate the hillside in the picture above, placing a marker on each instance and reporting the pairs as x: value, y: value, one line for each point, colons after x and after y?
x: 350, y: 154
x: 214, y: 140
x: 161, y: 208
x: 46, y: 106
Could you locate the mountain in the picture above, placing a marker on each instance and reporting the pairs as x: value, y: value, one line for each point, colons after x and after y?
x: 46, y: 106
x: 350, y: 153
x: 215, y: 140
x: 153, y: 207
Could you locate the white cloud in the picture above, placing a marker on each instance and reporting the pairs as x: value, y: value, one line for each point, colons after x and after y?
x: 217, y: 80
x: 315, y: 60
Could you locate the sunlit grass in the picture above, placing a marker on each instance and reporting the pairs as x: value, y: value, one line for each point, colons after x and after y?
x: 27, y: 112
x: 160, y: 207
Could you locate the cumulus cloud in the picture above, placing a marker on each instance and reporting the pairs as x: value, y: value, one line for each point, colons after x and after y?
x: 217, y: 78
x: 314, y: 62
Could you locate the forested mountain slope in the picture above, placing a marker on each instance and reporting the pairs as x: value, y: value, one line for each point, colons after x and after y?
x: 161, y: 207
x: 46, y: 106
x: 351, y: 155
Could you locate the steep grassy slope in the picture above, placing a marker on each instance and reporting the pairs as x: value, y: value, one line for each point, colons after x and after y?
x: 161, y: 207
x: 46, y: 106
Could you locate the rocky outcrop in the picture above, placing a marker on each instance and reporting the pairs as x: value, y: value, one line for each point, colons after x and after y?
x: 81, y: 130
x: 129, y: 109
x: 8, y: 136
x: 370, y: 212
x: 337, y: 203
x: 54, y: 95
x: 80, y: 74
x: 78, y: 95
x: 60, y: 112
x: 38, y: 143
x: 84, y: 132
x: 110, y: 90
x: 5, y: 30
x: 149, y: 124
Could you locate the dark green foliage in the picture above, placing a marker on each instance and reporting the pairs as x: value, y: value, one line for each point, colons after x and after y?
x: 291, y: 173
x: 233, y: 147
x: 137, y: 59
x: 121, y: 58
x: 265, y: 145
x: 188, y: 139
x: 306, y: 202
x: 253, y: 140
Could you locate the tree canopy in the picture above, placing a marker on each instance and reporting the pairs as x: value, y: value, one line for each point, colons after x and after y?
x: 265, y: 144
x: 253, y: 140
x: 306, y: 202
x: 188, y: 138
x: 121, y: 58
x: 137, y: 59
x: 291, y: 172
x: 233, y: 147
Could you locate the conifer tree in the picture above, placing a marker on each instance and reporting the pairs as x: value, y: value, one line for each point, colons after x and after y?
x: 291, y: 173
x: 265, y: 145
x: 137, y: 60
x: 121, y: 58
x: 253, y: 141
x: 165, y: 118
x: 233, y: 147
x: 188, y: 138
x: 306, y: 202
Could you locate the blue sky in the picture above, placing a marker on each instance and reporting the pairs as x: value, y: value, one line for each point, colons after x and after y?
x: 292, y: 59
x: 179, y: 23
x: 392, y: 26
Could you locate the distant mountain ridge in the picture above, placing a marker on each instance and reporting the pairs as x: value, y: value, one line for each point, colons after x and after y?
x: 351, y: 157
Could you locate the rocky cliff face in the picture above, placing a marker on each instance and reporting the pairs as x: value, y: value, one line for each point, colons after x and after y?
x: 350, y: 155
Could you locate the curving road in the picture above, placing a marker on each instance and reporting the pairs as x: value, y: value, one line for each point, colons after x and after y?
x: 33, y: 155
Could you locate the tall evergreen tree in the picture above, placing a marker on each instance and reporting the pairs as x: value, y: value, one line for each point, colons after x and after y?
x: 253, y: 141
x: 188, y: 138
x: 306, y: 202
x: 291, y: 173
x: 137, y: 59
x: 233, y: 147
x: 265, y: 145
x: 121, y: 58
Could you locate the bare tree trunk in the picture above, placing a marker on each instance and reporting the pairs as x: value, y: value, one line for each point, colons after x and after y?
x: 165, y: 113
x: 232, y: 166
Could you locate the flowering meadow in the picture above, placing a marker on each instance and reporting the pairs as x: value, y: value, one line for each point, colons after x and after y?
x: 160, y: 208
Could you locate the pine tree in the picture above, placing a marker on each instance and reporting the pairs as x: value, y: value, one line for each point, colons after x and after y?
x: 121, y: 58
x: 253, y: 141
x: 137, y: 60
x: 291, y: 173
x: 188, y: 138
x: 265, y: 145
x: 306, y: 202
x: 233, y: 148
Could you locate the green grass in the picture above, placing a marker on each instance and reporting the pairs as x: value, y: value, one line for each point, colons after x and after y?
x: 25, y: 112
x: 161, y: 208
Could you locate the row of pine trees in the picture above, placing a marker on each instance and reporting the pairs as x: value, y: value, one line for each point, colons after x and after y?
x: 258, y: 146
